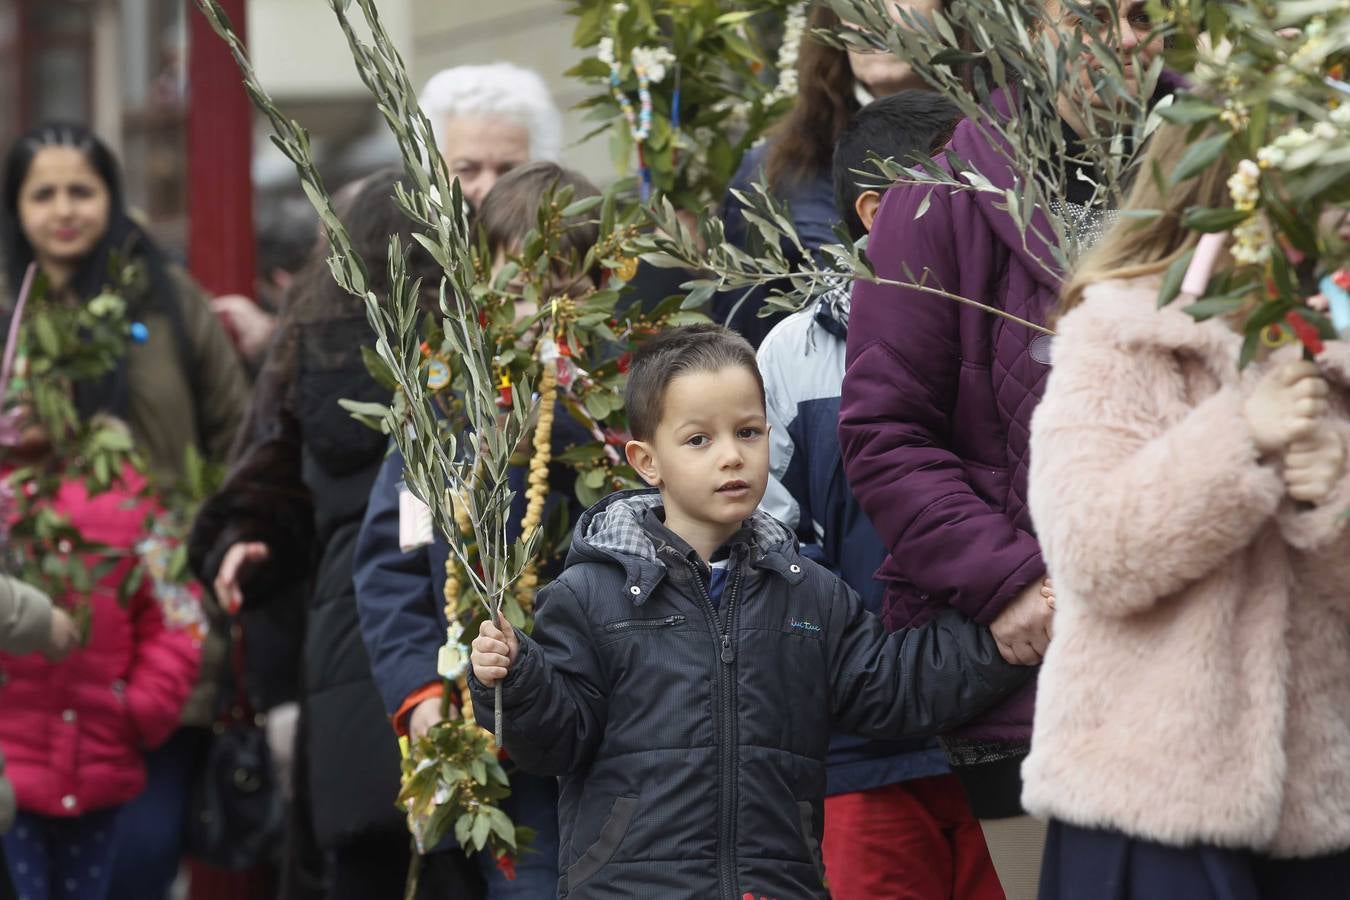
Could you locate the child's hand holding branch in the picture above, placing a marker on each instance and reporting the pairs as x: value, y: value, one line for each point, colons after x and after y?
x: 1286, y: 405
x: 1314, y: 464
x: 1287, y: 415
x: 494, y: 650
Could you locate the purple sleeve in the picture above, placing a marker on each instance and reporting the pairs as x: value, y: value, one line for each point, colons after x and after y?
x: 905, y: 362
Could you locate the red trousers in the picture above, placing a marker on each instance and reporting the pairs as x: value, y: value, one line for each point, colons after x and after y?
x: 917, y: 840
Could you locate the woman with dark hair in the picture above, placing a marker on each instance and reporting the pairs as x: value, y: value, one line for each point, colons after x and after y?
x: 288, y: 514
x: 64, y: 209
x: 180, y: 386
x: 795, y: 162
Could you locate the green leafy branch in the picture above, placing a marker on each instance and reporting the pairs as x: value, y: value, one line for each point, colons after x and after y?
x: 1043, y: 66
x: 62, y: 344
x: 1273, y: 105
x: 720, y: 91
x: 441, y: 469
x: 721, y: 266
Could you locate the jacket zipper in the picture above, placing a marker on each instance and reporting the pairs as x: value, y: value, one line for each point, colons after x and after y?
x: 630, y: 624
x: 722, y: 629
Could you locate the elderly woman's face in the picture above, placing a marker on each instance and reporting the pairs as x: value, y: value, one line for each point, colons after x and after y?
x: 479, y: 149
x: 63, y: 206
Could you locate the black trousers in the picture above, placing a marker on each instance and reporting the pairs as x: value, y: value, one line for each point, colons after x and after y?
x: 994, y: 788
x: 1097, y: 864
x: 6, y: 886
x: 376, y: 867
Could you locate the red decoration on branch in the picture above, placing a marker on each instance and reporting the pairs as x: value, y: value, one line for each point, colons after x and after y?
x: 1305, y: 331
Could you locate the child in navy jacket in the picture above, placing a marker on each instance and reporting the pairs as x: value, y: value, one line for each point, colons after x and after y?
x: 687, y: 665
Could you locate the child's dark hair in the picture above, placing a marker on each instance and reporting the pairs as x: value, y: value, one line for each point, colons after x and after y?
x: 511, y: 209
x: 679, y: 351
x: 900, y: 126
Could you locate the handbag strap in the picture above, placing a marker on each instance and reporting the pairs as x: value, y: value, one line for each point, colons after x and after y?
x: 12, y: 339
x: 240, y: 708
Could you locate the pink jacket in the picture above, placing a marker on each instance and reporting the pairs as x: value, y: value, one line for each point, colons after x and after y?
x: 1198, y: 685
x: 73, y: 732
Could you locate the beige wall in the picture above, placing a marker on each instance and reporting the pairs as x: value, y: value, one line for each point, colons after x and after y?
x: 532, y: 33
x: 301, y: 57
x: 299, y: 50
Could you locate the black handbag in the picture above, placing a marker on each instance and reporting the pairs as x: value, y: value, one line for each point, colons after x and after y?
x: 237, y: 815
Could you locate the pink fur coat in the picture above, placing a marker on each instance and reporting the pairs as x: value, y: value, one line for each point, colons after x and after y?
x: 1197, y: 688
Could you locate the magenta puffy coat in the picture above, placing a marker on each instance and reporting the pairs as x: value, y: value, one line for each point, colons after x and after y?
x: 73, y: 732
x: 935, y: 415
x: 937, y: 399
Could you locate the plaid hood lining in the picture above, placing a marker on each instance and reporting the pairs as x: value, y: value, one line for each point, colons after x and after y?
x: 616, y: 528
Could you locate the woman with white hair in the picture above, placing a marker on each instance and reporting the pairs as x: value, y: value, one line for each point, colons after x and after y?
x: 490, y: 119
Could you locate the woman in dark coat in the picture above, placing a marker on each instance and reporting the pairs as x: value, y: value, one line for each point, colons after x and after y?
x: 290, y: 512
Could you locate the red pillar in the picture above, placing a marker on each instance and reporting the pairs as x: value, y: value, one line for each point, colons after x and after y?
x: 219, y: 159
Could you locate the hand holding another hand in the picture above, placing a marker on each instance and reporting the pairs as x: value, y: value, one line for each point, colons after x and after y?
x: 1024, y: 628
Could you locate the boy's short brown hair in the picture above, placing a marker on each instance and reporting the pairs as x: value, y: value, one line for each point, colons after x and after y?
x: 679, y: 351
x: 511, y: 209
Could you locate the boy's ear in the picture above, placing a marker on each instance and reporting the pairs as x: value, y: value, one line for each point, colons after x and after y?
x: 643, y: 461
x: 866, y: 207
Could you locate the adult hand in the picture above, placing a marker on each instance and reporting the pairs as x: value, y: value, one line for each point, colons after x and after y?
x: 1285, y: 405
x: 280, y: 727
x: 493, y: 653
x: 424, y: 715
x: 250, y: 324
x: 1314, y: 464
x: 26, y: 439
x: 239, y: 562
x: 64, y: 637
x: 1022, y: 630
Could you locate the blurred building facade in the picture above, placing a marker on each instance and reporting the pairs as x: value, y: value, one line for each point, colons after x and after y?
x: 122, y: 67
x: 116, y: 65
x: 532, y: 33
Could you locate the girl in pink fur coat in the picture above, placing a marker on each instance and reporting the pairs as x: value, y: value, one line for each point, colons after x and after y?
x: 1192, y: 730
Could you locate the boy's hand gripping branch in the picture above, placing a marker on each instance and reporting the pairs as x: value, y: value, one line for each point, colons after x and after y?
x: 494, y: 650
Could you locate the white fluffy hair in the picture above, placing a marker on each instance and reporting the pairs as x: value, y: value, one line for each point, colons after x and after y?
x: 498, y: 89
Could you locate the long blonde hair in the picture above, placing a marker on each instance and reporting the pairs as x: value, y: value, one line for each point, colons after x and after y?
x: 1134, y: 247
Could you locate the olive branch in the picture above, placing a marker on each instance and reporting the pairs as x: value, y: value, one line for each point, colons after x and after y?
x: 440, y: 468
x: 968, y: 52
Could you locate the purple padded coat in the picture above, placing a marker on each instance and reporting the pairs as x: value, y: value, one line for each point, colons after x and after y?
x: 937, y: 401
